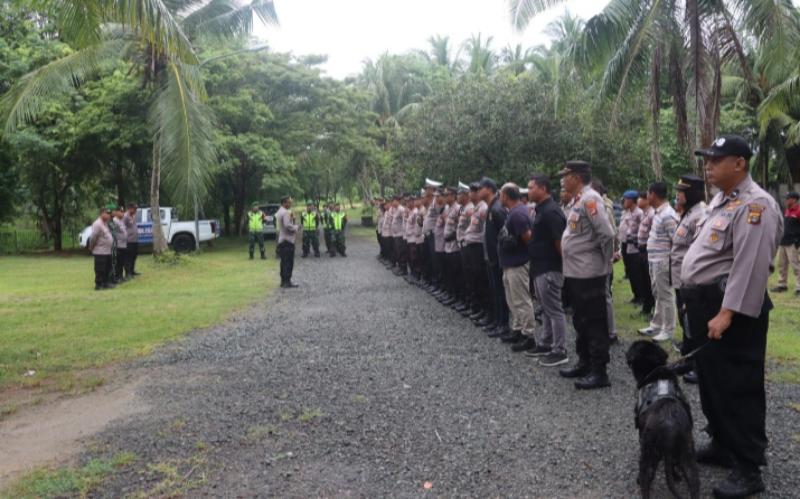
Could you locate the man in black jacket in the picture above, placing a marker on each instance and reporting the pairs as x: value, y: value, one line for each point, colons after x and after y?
x: 494, y: 222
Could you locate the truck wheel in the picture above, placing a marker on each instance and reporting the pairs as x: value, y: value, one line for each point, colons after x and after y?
x: 183, y: 243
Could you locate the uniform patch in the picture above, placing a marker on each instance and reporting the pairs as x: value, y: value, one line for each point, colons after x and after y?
x: 714, y: 237
x: 754, y: 211
x: 733, y: 204
x: 591, y: 207
x: 682, y: 231
x: 719, y: 223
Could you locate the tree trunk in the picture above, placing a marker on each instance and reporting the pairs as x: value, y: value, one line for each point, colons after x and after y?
x: 226, y: 219
x: 58, y: 232
x: 159, y: 241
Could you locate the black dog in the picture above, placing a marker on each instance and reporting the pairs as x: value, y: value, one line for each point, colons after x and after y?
x: 664, y: 420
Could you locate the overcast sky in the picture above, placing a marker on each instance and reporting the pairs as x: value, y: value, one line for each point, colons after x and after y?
x: 350, y: 31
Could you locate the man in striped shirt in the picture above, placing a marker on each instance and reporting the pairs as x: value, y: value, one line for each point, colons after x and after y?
x: 659, y: 244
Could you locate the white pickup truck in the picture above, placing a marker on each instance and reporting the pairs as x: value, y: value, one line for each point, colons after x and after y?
x: 180, y: 235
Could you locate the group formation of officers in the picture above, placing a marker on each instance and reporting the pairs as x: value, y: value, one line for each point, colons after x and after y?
x: 332, y: 221
x: 487, y: 251
x: 114, y: 244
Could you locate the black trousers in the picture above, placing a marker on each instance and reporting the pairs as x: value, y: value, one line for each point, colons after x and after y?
x: 643, y: 279
x: 631, y: 271
x: 388, y: 248
x: 413, y: 258
x: 380, y: 243
x: 439, y: 269
x: 102, y: 269
x: 455, y: 278
x: 286, y: 254
x: 475, y: 275
x: 122, y: 261
x: 731, y: 375
x: 130, y: 258
x: 401, y: 252
x: 590, y: 319
x: 498, y: 293
x: 468, y: 292
x: 427, y: 259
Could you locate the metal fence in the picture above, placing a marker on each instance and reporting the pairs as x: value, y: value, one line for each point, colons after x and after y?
x: 25, y: 240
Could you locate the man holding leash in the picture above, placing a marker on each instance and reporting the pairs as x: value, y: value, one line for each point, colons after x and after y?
x: 724, y: 283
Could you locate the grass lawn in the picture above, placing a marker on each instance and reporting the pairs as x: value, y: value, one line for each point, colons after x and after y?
x: 54, y: 323
x: 783, y: 339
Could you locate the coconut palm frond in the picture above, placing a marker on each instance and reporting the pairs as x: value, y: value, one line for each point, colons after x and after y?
x: 79, y: 21
x: 25, y: 100
x: 628, y: 61
x: 155, y: 24
x: 229, y: 18
x: 776, y: 25
x: 522, y: 11
x: 183, y: 128
x: 781, y: 101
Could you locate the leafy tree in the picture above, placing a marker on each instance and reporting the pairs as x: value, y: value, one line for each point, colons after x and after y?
x: 158, y: 37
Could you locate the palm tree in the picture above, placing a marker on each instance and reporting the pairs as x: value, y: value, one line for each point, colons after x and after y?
x: 639, y: 42
x: 156, y: 36
x: 516, y: 59
x: 440, y: 54
x: 481, y: 58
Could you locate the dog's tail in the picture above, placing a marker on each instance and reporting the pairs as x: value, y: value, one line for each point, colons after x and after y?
x: 670, y: 471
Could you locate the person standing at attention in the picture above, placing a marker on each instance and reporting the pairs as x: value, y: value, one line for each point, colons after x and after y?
x: 287, y: 231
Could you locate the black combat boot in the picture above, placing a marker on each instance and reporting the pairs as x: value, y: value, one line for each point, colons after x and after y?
x: 579, y: 370
x: 263, y: 256
x: 742, y: 482
x: 597, y: 378
x: 524, y: 345
x: 251, y: 256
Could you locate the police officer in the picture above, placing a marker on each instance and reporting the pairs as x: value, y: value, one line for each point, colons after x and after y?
x: 100, y: 243
x: 310, y: 221
x: 327, y: 229
x: 495, y: 220
x: 629, y: 243
x: 645, y: 286
x: 475, y: 265
x: 339, y: 219
x: 588, y: 249
x: 724, y: 283
x: 398, y: 232
x: 453, y: 254
x: 690, y: 197
x: 132, y: 231
x: 255, y: 226
x: 287, y: 231
x: 121, y: 236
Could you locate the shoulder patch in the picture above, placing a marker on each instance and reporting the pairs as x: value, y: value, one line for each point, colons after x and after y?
x: 591, y: 207
x: 754, y: 211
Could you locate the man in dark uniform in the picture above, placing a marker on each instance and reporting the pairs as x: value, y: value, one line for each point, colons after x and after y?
x: 724, y: 283
x: 495, y: 220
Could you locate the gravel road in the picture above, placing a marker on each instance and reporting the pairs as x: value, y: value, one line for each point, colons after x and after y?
x: 357, y: 384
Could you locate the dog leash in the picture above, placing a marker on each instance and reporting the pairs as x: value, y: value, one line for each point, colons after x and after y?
x: 691, y: 354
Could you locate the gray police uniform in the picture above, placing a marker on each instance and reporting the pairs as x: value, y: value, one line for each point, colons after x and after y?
x: 588, y: 247
x: 727, y: 266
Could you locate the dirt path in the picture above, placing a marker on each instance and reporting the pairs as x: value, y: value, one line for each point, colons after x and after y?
x: 357, y: 384
x: 53, y: 432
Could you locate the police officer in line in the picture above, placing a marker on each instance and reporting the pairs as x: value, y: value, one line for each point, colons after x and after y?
x: 724, y: 285
x: 690, y: 197
x: 339, y: 223
x: 255, y: 227
x: 495, y: 220
x: 588, y: 250
x: 100, y: 243
x: 327, y: 229
x: 310, y: 220
x: 398, y: 232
